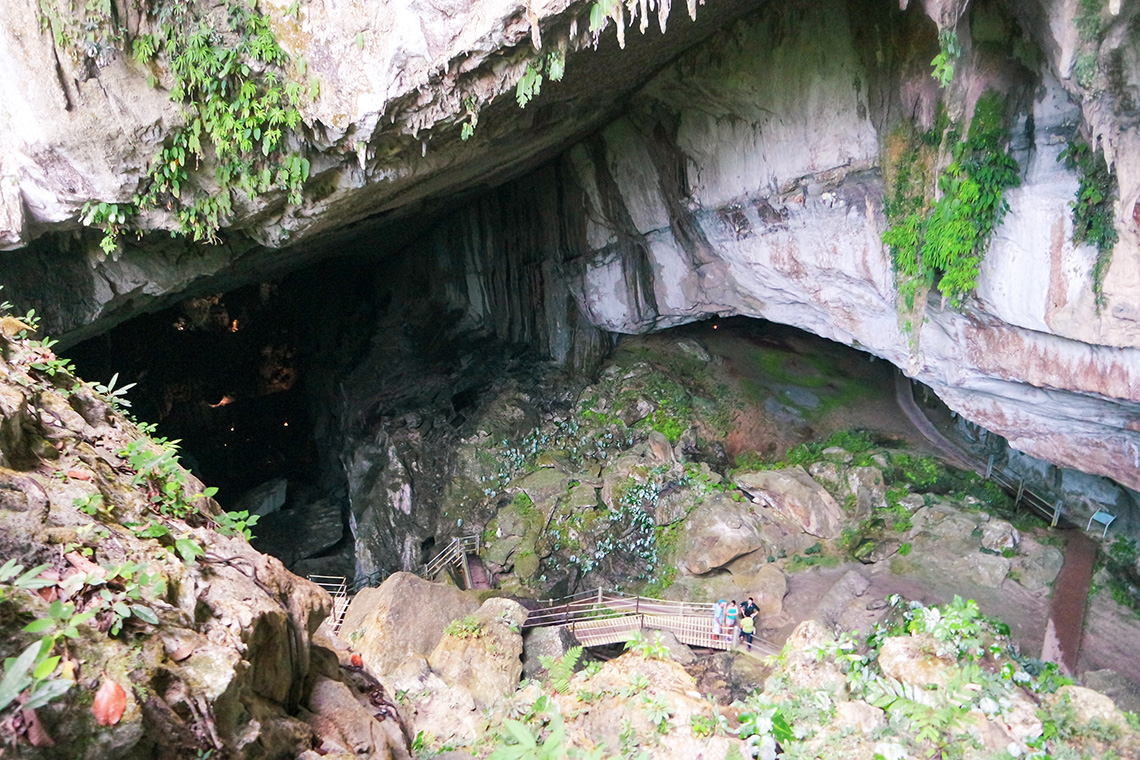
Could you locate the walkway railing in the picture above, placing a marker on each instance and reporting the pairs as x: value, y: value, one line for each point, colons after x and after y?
x: 454, y: 554
x: 598, y: 618
x: 1022, y: 495
x: 337, y: 586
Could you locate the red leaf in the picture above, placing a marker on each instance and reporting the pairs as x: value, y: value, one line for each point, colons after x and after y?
x: 110, y: 702
x: 37, y: 734
x: 79, y: 562
x: 79, y: 474
x: 49, y: 593
x: 357, y: 661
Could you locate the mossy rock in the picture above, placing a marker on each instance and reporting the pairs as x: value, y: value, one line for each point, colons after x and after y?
x: 526, y: 564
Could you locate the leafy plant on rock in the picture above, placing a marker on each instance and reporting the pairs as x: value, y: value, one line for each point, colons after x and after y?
x: 646, y: 648
x: 240, y: 109
x: 465, y: 628
x: 949, y: 52
x: 561, y: 669
x: 942, y: 245
x: 1093, y: 210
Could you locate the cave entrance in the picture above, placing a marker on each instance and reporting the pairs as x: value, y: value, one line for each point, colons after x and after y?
x: 307, y: 398
x: 221, y: 374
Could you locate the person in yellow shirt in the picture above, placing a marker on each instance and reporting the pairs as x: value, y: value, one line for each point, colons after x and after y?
x: 747, y: 629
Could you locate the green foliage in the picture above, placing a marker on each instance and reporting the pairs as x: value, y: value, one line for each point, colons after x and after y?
x: 31, y: 673
x: 669, y: 426
x: 530, y: 84
x: 1094, y: 219
x: 236, y: 523
x: 116, y: 397
x: 561, y: 669
x: 766, y: 722
x: 921, y: 473
x: 657, y: 711
x: 949, y: 52
x: 13, y: 575
x: 702, y: 726
x: 526, y: 744
x: 945, y: 244
x: 466, y: 628
x: 470, y: 118
x: 144, y: 48
x: 523, y: 503
x: 904, y: 549
x: 157, y: 467
x: 799, y: 563
x: 93, y: 505
x: 635, y: 684
x: 88, y: 30
x: 240, y: 107
x: 649, y: 649
x: 1085, y: 69
x: 1123, y: 551
x: 1090, y: 20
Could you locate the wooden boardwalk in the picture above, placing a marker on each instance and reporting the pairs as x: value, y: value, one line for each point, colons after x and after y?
x: 598, y: 618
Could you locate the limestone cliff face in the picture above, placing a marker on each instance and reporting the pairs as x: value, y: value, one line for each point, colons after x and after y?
x: 740, y: 177
x: 744, y: 192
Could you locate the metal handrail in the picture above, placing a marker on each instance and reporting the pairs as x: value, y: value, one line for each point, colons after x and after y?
x: 600, y: 605
x: 599, y: 617
x: 455, y: 553
x: 337, y: 586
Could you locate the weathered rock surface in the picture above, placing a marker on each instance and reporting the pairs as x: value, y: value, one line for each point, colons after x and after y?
x: 228, y: 663
x: 775, y: 210
x: 545, y: 642
x: 304, y: 531
x: 794, y: 494
x: 487, y: 663
x: 719, y: 531
x: 617, y: 710
x: 402, y: 619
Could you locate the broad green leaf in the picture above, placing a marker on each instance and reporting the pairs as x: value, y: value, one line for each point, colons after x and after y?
x: 45, y: 668
x: 39, y: 626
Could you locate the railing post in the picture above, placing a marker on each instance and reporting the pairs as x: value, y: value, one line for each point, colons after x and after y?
x: 1020, y: 493
x: 466, y: 569
x: 599, y: 594
x: 1056, y: 514
x: 990, y: 467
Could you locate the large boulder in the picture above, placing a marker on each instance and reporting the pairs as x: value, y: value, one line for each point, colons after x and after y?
x: 345, y: 723
x: 265, y: 498
x: 912, y: 660
x: 799, y: 665
x: 793, y: 493
x: 544, y: 487
x: 302, y: 532
x: 719, y: 531
x: 402, y: 619
x: 483, y: 654
x: 552, y: 641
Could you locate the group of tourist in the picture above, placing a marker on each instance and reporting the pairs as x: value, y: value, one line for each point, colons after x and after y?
x: 731, y: 621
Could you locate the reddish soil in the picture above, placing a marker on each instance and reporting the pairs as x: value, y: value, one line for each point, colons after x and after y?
x: 1070, y: 596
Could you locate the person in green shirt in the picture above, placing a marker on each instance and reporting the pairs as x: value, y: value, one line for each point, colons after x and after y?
x: 747, y: 629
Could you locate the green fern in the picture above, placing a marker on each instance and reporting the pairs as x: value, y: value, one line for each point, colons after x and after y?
x: 561, y: 669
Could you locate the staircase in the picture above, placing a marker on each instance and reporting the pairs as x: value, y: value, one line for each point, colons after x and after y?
x: 337, y: 586
x: 460, y: 555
